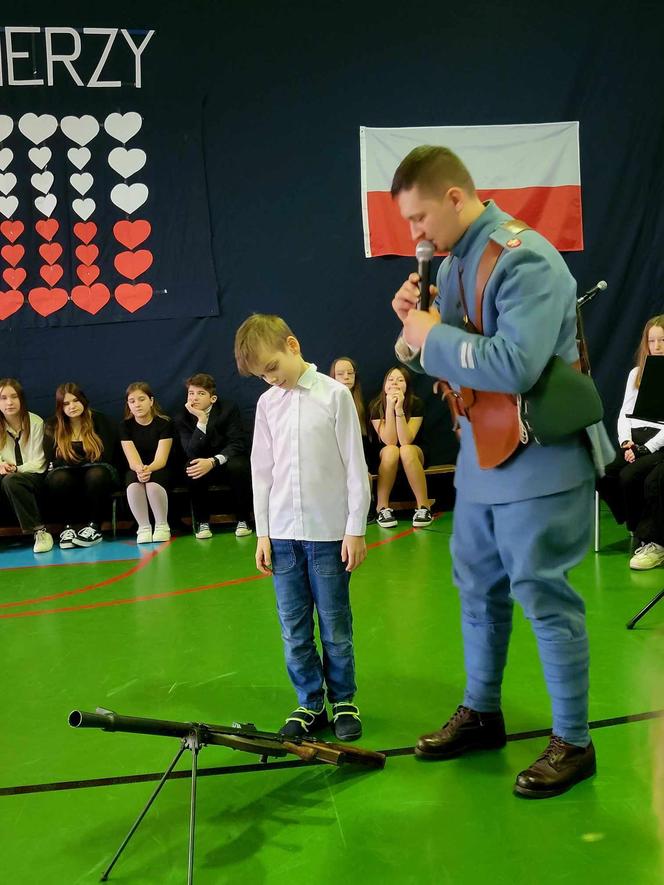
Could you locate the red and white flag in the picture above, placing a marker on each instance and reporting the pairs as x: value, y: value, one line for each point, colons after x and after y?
x: 531, y: 170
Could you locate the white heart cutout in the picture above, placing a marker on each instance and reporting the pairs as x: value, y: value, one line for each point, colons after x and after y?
x: 6, y: 126
x: 42, y: 181
x: 80, y: 129
x: 129, y: 197
x: 84, y: 208
x: 82, y: 182
x: 79, y: 157
x: 8, y: 205
x: 122, y: 127
x: 125, y: 162
x: 7, y: 182
x: 6, y: 156
x: 40, y: 156
x: 37, y: 128
x: 46, y: 204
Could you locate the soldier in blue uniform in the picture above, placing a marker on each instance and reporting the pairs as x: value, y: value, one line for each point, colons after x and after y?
x: 519, y: 526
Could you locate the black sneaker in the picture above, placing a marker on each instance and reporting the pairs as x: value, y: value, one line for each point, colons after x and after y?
x: 88, y: 536
x: 346, y: 722
x: 422, y: 517
x: 303, y: 722
x: 67, y: 536
x: 386, y: 518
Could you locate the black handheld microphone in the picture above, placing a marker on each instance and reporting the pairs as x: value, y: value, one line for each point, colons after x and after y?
x: 587, y: 296
x: 424, y: 253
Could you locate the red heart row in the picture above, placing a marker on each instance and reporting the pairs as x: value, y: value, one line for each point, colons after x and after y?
x: 89, y: 298
x: 129, y: 233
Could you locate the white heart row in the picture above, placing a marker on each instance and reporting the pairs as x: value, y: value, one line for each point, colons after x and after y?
x: 125, y: 162
x: 125, y: 196
x: 81, y: 130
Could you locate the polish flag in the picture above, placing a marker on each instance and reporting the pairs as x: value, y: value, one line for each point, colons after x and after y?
x: 531, y: 170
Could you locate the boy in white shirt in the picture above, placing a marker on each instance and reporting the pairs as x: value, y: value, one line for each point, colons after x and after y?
x: 311, y: 496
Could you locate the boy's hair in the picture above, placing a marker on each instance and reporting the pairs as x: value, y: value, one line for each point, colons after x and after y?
x: 431, y: 168
x: 145, y: 388
x: 259, y: 332
x: 201, y: 379
x: 644, y: 351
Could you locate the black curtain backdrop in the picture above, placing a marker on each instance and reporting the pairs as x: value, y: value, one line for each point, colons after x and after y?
x: 281, y: 91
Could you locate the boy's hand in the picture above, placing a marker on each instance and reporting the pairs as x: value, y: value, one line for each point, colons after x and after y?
x: 199, y: 467
x: 199, y: 414
x: 264, y: 555
x: 353, y: 551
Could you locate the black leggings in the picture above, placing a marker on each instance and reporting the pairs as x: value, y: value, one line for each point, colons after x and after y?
x: 82, y: 492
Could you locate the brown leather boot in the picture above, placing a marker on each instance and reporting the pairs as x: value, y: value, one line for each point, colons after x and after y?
x: 559, y: 767
x: 466, y: 730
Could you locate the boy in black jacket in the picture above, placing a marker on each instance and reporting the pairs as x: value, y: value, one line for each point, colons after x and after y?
x: 216, y: 449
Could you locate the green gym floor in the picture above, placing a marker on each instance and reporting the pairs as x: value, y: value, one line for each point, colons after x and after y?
x: 188, y: 631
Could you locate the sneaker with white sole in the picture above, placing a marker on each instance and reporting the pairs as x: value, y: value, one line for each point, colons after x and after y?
x: 67, y: 536
x: 648, y: 556
x: 243, y: 529
x: 88, y: 536
x: 203, y: 531
x: 422, y: 517
x: 144, y: 535
x: 162, y: 532
x: 386, y: 518
x: 43, y: 541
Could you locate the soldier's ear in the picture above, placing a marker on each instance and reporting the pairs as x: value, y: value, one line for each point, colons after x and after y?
x: 457, y: 197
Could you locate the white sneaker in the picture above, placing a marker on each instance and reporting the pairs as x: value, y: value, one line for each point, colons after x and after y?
x: 67, y: 536
x: 162, y: 532
x: 43, y: 541
x: 243, y: 530
x: 648, y: 556
x: 203, y: 531
x: 144, y: 535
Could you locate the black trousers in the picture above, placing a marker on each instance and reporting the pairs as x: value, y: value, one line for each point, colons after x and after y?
x: 623, y: 486
x: 22, y: 491
x: 237, y: 473
x: 650, y: 526
x: 82, y: 493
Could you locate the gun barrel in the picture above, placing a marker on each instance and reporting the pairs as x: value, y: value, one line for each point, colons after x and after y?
x: 109, y: 721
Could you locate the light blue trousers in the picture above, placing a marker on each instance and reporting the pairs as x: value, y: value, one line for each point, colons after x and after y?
x: 523, y: 551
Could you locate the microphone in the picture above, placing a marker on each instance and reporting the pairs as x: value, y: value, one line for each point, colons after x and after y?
x: 587, y: 296
x: 424, y: 253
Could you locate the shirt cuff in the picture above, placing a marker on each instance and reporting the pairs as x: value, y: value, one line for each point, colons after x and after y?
x: 404, y: 351
x: 220, y: 459
x: 201, y: 427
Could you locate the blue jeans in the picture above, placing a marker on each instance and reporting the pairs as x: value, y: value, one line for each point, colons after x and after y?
x: 308, y: 574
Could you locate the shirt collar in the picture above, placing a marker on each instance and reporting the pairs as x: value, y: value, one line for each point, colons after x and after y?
x: 489, y: 219
x: 306, y: 380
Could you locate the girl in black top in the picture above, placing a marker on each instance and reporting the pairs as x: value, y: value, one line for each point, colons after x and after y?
x: 146, y: 435
x: 396, y: 415
x: 80, y: 446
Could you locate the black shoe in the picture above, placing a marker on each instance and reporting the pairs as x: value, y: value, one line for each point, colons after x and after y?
x: 466, y: 730
x: 67, y: 536
x: 386, y: 518
x: 559, y: 767
x: 346, y: 722
x: 303, y: 722
x: 88, y: 536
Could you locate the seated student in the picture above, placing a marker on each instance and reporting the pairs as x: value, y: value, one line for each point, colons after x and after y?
x: 396, y: 415
x: 146, y: 436
x: 22, y: 462
x: 641, y: 451
x: 344, y: 370
x: 216, y: 448
x: 79, y: 445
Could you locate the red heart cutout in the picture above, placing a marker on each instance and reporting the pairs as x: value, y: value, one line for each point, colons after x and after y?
x: 47, y: 228
x: 92, y: 298
x: 14, y: 276
x: 87, y: 254
x: 46, y: 301
x: 10, y: 303
x: 51, y: 273
x: 132, y: 264
x: 131, y: 233
x: 87, y: 275
x: 12, y: 254
x: 133, y: 297
x: 50, y: 252
x: 85, y: 231
x: 12, y: 230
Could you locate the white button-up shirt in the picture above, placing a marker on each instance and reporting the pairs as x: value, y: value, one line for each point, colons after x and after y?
x: 310, y: 479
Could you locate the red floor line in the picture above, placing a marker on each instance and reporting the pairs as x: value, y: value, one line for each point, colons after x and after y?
x: 113, y: 580
x: 131, y: 600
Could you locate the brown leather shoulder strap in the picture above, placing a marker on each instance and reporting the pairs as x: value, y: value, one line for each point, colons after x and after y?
x: 488, y: 261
